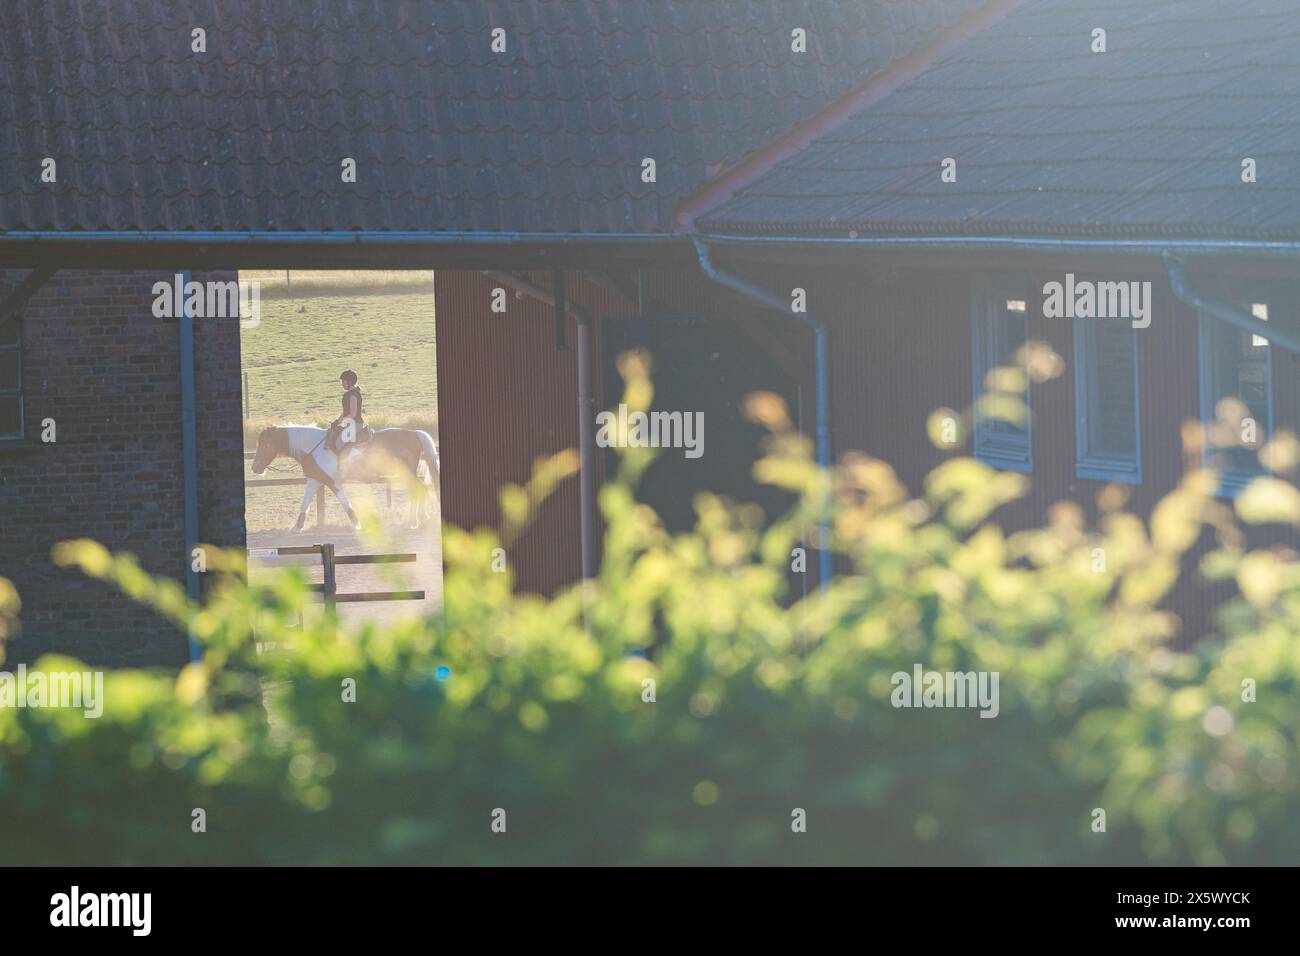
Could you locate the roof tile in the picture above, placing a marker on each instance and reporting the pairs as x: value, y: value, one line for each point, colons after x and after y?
x: 448, y: 135
x: 1050, y: 138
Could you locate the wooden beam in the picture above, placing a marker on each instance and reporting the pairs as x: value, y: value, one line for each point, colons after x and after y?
x: 13, y: 304
x: 174, y: 255
x: 612, y: 282
x: 557, y: 293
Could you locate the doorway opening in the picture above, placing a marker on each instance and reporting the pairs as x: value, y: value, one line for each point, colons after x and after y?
x: 310, y: 326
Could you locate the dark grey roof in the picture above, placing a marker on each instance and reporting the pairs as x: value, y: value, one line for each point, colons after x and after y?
x: 448, y: 135
x: 1050, y: 138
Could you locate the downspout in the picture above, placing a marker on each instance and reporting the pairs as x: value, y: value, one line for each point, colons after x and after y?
x: 822, y: 374
x: 1224, y: 312
x: 586, y: 447
x: 586, y: 421
x: 586, y: 410
x: 189, y: 457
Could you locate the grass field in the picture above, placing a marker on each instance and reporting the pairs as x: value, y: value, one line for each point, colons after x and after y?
x: 281, y: 283
x: 295, y: 355
x: 380, y: 324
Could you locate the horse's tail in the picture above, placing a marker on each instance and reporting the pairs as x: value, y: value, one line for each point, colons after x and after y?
x: 429, y: 452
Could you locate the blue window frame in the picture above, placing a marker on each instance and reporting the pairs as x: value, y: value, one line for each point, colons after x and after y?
x: 1236, y: 393
x: 11, y: 380
x: 999, y: 333
x: 1107, y: 429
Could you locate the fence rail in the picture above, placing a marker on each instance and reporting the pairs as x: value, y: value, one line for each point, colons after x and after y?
x: 329, y: 564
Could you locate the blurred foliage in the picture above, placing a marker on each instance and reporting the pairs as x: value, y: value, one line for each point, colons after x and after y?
x: 762, y: 704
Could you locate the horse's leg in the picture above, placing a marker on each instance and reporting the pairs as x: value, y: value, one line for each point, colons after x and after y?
x: 434, y: 499
x: 414, y: 487
x: 342, y: 496
x: 416, y: 495
x: 307, y: 495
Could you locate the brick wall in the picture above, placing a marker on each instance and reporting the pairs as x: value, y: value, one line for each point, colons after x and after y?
x: 98, y: 362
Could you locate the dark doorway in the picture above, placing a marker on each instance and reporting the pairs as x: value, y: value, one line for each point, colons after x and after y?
x: 701, y: 365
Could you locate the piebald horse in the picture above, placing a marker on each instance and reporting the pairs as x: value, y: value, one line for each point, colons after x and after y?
x: 393, y: 452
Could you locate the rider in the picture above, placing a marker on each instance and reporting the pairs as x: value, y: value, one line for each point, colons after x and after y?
x: 335, y: 439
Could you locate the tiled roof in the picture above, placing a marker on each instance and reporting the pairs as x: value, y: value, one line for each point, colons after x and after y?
x: 1144, y: 140
x: 448, y: 135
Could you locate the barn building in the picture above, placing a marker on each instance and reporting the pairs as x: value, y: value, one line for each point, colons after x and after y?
x: 659, y: 175
x: 142, y: 138
x: 935, y: 215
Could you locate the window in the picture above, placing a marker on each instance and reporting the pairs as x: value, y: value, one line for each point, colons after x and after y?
x: 11, y: 380
x: 1106, y: 429
x: 1237, y: 391
x: 1000, y: 327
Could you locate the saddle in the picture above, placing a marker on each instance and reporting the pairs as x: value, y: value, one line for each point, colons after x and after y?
x: 363, y: 433
x: 351, y: 454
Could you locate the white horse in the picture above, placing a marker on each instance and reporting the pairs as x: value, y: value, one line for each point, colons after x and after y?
x: 393, y: 452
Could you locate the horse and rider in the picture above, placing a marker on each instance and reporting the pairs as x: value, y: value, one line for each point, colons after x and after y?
x: 323, y: 453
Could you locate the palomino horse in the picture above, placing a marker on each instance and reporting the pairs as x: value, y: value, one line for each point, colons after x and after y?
x: 393, y: 452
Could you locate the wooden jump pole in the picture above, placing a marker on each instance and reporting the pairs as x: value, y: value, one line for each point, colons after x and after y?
x: 331, y: 582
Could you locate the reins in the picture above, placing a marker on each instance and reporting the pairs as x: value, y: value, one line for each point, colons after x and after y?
x: 311, y: 454
x: 307, y: 462
x: 318, y: 444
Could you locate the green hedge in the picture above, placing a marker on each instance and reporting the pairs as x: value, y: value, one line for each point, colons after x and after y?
x: 763, y: 706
